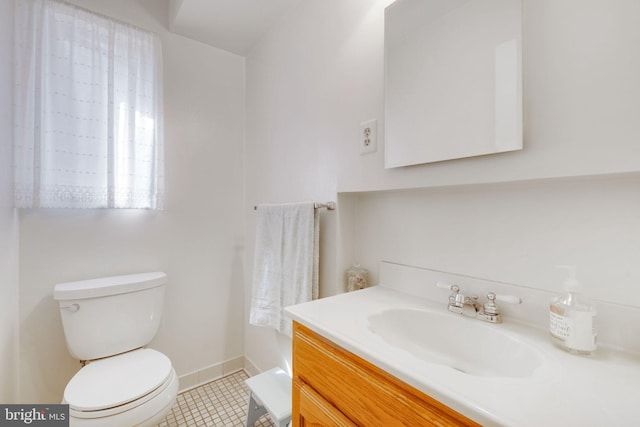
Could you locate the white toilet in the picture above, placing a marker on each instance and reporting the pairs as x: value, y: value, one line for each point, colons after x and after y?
x: 107, y: 322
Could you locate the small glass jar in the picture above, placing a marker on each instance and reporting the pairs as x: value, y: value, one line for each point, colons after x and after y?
x: 357, y: 278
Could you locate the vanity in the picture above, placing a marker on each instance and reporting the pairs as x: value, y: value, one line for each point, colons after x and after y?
x: 365, y: 358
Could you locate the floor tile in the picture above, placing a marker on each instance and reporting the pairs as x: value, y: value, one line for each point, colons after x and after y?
x: 220, y: 403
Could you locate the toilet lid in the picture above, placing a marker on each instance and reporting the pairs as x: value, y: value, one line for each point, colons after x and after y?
x: 117, y: 380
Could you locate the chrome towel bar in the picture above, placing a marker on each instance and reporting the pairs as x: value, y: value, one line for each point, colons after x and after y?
x: 329, y: 205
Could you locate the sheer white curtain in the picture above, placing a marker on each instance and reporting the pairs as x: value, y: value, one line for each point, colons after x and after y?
x: 88, y: 110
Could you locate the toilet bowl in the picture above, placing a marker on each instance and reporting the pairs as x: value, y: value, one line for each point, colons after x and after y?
x: 107, y: 322
x: 134, y: 388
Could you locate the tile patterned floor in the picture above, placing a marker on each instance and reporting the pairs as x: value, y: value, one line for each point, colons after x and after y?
x: 220, y: 403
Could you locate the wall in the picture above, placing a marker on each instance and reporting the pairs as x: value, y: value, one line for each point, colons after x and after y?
x: 515, y: 233
x: 579, y: 90
x: 307, y: 87
x: 312, y: 80
x: 8, y: 221
x: 197, y: 240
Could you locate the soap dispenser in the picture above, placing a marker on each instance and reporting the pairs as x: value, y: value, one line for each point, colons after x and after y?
x: 571, y: 317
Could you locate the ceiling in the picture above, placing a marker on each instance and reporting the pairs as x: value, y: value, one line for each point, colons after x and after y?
x: 232, y: 25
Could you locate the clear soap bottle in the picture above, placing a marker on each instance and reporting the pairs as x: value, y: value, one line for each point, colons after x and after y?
x: 571, y: 318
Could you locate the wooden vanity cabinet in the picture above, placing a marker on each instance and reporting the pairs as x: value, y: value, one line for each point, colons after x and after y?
x: 333, y: 387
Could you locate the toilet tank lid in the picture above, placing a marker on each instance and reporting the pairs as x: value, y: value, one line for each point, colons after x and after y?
x: 105, y: 286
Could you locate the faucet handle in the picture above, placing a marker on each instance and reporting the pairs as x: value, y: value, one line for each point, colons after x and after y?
x: 456, y: 299
x: 490, y: 306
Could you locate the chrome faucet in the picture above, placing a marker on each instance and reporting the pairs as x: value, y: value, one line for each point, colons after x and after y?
x: 471, y: 307
x: 458, y: 303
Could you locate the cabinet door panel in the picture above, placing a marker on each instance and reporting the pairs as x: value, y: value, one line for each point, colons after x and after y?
x: 316, y: 412
x: 363, y: 393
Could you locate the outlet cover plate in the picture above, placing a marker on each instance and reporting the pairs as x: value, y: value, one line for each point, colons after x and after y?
x: 369, y: 136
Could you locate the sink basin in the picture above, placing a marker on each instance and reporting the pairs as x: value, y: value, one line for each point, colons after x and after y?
x: 464, y: 344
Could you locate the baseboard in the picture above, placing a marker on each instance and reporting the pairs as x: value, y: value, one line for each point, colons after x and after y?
x: 210, y: 373
x: 250, y: 368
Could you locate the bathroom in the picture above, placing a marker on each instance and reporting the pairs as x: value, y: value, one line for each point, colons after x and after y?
x: 280, y: 123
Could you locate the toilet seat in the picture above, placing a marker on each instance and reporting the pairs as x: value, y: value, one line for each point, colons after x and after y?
x: 126, y: 381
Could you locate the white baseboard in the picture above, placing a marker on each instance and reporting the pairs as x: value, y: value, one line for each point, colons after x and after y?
x: 250, y: 368
x: 210, y: 373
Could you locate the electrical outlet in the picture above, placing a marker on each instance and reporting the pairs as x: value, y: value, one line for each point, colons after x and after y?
x: 368, y: 136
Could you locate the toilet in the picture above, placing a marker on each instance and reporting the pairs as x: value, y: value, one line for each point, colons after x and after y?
x: 107, y: 322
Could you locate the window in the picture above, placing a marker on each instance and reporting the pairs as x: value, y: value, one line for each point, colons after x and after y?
x: 88, y: 110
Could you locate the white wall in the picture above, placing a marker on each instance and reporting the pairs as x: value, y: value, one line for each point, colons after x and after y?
x: 197, y: 240
x: 306, y: 85
x: 515, y: 233
x: 8, y: 220
x: 580, y: 91
x: 315, y: 77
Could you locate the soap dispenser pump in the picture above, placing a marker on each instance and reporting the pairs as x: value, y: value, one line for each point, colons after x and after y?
x: 571, y: 317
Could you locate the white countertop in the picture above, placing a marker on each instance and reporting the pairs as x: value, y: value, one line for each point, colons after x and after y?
x: 568, y: 390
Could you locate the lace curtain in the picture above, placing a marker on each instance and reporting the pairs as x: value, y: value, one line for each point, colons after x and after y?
x: 87, y: 110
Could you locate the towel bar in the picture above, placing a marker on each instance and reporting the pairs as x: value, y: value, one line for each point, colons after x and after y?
x: 329, y: 205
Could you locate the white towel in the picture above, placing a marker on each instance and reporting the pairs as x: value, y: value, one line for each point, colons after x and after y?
x: 285, y: 269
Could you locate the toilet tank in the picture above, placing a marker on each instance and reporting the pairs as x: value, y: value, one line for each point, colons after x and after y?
x: 111, y: 315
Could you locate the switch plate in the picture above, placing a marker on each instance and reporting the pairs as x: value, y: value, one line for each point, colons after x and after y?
x: 369, y: 136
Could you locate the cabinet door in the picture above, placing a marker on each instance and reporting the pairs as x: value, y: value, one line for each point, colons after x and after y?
x: 359, y: 391
x: 315, y: 411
